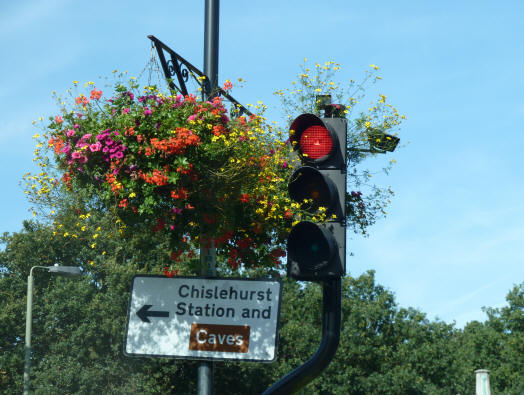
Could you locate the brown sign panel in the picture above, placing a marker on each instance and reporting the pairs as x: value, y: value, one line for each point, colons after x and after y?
x: 221, y: 338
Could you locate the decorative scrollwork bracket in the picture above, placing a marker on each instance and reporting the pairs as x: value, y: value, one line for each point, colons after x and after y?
x: 180, y: 68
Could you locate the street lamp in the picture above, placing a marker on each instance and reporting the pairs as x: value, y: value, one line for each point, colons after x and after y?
x: 69, y: 271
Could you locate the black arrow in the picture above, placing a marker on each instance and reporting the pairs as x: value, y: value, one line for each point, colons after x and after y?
x: 144, y: 313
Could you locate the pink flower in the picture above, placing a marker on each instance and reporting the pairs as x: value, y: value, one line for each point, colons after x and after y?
x: 125, y: 111
x: 147, y: 112
x: 70, y: 133
x: 103, y: 135
x: 95, y: 147
x: 191, y: 117
x: 79, y: 157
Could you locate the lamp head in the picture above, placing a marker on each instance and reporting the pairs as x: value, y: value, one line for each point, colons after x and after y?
x: 65, y: 270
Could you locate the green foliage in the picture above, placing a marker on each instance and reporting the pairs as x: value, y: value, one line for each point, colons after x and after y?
x: 366, y: 202
x: 79, y: 324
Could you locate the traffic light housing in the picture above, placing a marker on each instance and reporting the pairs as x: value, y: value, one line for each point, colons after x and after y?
x: 317, y: 251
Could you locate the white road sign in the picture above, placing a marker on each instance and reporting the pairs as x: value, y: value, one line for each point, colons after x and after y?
x: 202, y: 318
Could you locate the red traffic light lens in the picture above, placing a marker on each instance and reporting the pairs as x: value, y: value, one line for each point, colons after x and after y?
x: 313, y: 138
x: 315, y: 142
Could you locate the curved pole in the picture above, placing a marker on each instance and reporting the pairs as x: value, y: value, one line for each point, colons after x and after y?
x: 331, y: 318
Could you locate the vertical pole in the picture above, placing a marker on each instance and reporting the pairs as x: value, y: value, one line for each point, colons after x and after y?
x: 211, y: 47
x: 208, y: 253
x: 207, y: 269
x: 28, y: 328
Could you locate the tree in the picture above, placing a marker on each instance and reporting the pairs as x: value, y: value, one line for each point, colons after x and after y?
x: 134, y: 185
x: 79, y: 326
x: 496, y: 345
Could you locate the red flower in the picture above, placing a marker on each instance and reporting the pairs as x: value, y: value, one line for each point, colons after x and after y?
x: 245, y: 243
x: 245, y: 198
x: 170, y: 273
x: 81, y: 100
x: 176, y: 255
x: 159, y: 225
x: 57, y: 145
x: 181, y: 193
x: 96, y: 94
x: 233, y: 263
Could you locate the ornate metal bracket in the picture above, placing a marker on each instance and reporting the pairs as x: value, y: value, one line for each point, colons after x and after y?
x: 180, y: 68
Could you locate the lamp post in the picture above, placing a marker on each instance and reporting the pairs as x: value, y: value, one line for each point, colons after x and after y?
x: 69, y: 271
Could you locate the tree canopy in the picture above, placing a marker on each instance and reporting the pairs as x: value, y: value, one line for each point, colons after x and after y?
x: 135, y: 181
x: 79, y: 325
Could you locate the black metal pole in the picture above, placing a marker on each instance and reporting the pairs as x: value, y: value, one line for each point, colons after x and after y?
x: 211, y: 16
x: 331, y: 319
x: 211, y: 46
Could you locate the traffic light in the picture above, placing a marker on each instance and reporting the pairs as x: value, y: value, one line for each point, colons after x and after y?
x: 317, y: 251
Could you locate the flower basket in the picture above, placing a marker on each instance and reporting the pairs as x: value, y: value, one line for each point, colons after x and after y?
x: 180, y: 165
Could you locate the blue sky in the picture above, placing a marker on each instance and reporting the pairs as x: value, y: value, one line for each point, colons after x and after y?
x: 453, y: 240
